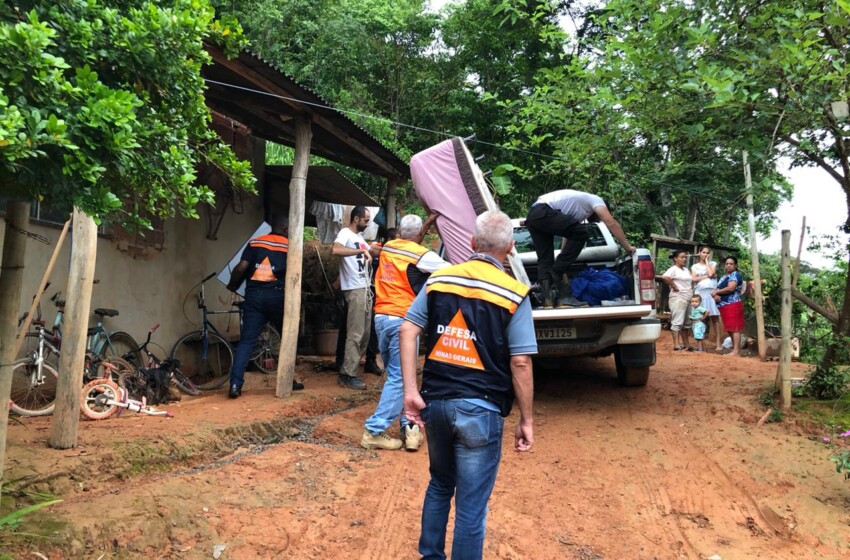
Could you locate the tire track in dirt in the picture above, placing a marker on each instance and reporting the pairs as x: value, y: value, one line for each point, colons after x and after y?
x: 388, y: 515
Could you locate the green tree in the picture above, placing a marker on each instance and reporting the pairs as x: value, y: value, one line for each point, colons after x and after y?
x: 102, y: 109
x: 703, y: 80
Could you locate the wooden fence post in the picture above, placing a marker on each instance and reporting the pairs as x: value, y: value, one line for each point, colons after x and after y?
x: 11, y: 282
x: 66, y: 415
x: 785, y: 354
x: 292, y: 299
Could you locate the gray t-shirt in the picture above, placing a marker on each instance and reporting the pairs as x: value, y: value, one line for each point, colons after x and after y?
x: 577, y: 205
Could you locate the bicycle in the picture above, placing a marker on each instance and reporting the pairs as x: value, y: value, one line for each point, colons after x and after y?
x: 205, y: 356
x: 33, y: 390
x: 101, y: 398
x: 99, y: 341
x: 267, y: 350
x: 135, y: 381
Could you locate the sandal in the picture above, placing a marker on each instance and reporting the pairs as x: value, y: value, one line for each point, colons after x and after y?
x: 678, y: 348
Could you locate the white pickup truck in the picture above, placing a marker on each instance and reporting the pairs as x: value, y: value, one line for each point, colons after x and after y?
x: 449, y: 182
x: 627, y: 329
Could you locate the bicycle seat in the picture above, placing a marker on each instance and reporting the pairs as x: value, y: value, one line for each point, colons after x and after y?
x: 102, y: 312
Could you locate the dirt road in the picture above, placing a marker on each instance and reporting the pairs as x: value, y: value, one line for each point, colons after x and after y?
x: 678, y: 469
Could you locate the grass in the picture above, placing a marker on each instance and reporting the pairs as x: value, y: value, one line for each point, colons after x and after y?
x: 21, y: 526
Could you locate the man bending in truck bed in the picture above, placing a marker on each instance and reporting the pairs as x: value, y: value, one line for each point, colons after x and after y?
x: 564, y: 213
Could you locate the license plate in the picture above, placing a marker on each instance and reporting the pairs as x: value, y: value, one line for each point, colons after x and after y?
x: 555, y: 333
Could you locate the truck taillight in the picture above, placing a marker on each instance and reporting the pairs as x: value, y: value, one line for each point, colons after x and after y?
x: 646, y: 273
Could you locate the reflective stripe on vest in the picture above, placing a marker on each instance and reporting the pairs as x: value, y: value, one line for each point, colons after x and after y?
x: 393, y: 293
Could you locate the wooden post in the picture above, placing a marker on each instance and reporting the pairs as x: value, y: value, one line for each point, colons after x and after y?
x: 66, y: 415
x: 755, y: 258
x: 11, y: 282
x: 785, y: 315
x: 392, y: 184
x: 28, y: 321
x: 292, y: 301
x: 799, y: 252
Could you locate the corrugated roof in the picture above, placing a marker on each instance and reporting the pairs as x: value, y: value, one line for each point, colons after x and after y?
x: 240, y: 88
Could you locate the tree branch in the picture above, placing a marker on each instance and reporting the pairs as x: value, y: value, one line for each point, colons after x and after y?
x: 822, y: 163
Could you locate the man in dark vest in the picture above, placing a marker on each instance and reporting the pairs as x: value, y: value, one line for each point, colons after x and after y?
x: 480, y: 340
x: 263, y: 268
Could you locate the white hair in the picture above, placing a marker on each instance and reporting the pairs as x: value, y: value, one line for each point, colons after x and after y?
x: 409, y: 226
x: 494, y: 232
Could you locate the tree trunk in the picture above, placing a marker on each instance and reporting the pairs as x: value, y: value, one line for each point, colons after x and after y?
x: 66, y: 415
x: 292, y: 301
x: 11, y: 281
x: 691, y: 222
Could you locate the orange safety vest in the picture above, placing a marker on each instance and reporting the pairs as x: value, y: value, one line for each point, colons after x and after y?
x: 393, y: 293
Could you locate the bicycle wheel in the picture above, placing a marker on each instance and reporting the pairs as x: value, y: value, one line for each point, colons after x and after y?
x: 121, y: 344
x: 267, y: 350
x: 94, y: 400
x: 208, y: 370
x: 119, y: 366
x: 31, y: 396
x: 185, y: 384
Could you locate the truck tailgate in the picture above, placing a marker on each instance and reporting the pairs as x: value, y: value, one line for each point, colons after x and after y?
x: 601, y: 313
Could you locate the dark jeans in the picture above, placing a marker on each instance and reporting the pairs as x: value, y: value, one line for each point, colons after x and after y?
x: 261, y: 306
x: 544, y: 223
x: 464, y: 448
x: 371, y: 349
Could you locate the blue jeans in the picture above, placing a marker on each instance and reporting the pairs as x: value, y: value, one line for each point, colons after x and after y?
x: 464, y: 448
x: 392, y: 396
x: 261, y: 306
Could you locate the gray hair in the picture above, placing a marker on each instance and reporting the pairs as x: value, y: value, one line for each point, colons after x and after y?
x: 494, y: 232
x: 409, y: 227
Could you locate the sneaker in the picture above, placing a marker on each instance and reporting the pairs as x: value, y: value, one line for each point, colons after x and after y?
x: 412, y: 437
x: 350, y: 382
x: 371, y: 366
x: 297, y: 386
x: 235, y: 391
x: 380, y: 441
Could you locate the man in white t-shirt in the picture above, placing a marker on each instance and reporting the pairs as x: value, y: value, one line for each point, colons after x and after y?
x: 355, y: 281
x: 564, y: 213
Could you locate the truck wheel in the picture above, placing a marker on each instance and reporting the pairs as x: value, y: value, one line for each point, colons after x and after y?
x: 630, y: 376
x: 633, y: 376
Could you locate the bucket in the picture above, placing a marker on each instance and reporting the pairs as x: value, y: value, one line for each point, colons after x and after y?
x: 324, y: 341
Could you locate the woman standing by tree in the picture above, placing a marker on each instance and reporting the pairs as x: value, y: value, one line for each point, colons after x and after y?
x: 703, y: 274
x: 728, y: 296
x: 681, y: 290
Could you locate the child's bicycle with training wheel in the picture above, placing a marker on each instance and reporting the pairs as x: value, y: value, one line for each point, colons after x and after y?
x: 103, y: 398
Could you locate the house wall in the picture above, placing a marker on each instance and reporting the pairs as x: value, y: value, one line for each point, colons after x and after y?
x: 152, y: 287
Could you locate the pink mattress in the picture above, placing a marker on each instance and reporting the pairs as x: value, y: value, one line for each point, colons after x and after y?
x: 444, y: 181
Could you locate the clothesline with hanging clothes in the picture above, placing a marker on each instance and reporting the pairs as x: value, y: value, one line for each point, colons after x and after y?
x: 331, y: 218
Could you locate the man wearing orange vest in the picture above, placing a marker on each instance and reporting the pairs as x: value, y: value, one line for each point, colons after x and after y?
x: 263, y: 268
x: 403, y: 268
x: 478, y: 358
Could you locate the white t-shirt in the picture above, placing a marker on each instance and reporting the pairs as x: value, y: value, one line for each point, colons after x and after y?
x: 701, y: 270
x: 682, y: 280
x: 353, y: 270
x: 575, y: 204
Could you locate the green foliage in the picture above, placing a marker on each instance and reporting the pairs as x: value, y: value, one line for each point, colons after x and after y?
x: 102, y: 108
x: 12, y: 521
